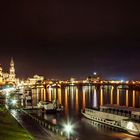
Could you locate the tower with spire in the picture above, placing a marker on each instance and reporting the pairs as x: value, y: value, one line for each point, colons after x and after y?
x: 12, y: 75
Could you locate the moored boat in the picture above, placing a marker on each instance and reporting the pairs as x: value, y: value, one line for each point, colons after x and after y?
x: 114, y: 120
x: 50, y: 107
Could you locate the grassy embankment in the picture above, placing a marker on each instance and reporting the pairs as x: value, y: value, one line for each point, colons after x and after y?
x: 10, y: 129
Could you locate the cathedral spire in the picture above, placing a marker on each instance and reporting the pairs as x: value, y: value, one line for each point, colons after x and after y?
x: 12, y: 62
x: 12, y: 74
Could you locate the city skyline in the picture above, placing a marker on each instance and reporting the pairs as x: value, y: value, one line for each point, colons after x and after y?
x: 107, y: 62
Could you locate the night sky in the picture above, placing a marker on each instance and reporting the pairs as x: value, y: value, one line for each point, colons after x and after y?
x: 60, y: 39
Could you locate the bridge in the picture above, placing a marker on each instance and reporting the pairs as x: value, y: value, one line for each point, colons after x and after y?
x: 114, y: 93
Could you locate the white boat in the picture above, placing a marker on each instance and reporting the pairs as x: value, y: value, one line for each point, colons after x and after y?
x: 50, y: 107
x: 121, y: 122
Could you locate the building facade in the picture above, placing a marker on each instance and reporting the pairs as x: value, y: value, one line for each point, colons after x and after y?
x: 12, y: 75
x: 8, y: 77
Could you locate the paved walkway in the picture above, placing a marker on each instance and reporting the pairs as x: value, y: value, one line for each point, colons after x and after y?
x: 37, y: 131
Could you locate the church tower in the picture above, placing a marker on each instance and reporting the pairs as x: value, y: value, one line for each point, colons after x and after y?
x: 1, y: 78
x: 12, y: 74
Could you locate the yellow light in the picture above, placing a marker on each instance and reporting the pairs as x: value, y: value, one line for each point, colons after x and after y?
x: 101, y: 97
x: 127, y: 98
x: 59, y: 96
x: 77, y: 101
x: 111, y: 97
x: 84, y: 99
x: 118, y: 97
x: 134, y: 98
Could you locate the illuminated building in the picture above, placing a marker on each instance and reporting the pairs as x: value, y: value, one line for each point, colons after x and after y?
x: 34, y: 80
x: 12, y: 75
x: 9, y: 77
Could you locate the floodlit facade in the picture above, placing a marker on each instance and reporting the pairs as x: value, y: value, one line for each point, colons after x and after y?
x: 8, y: 77
x: 34, y: 80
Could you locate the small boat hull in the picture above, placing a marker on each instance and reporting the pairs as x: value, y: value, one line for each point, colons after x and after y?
x: 51, y: 111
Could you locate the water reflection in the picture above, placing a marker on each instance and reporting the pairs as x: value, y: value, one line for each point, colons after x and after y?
x: 101, y: 97
x: 66, y: 101
x: 59, y: 96
x: 75, y: 98
x: 95, y: 97
x: 134, y: 98
x: 84, y: 99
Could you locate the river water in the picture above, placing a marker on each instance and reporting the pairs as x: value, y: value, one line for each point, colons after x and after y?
x: 75, y: 98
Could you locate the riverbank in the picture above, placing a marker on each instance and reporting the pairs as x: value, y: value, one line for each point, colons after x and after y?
x: 10, y: 128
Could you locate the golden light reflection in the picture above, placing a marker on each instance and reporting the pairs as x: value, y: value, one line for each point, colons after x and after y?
x: 118, y: 96
x: 101, y: 96
x: 50, y: 94
x: 34, y: 97
x: 45, y: 96
x: 77, y: 101
x: 84, y: 99
x: 111, y: 96
x: 66, y: 101
x: 133, y: 98
x: 38, y: 94
x: 54, y: 94
x: 127, y: 98
x: 42, y: 94
x: 59, y: 96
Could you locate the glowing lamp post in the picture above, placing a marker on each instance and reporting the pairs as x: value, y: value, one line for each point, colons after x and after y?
x: 68, y: 130
x: 14, y: 102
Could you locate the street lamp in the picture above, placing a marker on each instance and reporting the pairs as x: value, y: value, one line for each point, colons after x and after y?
x: 68, y: 129
x: 14, y: 102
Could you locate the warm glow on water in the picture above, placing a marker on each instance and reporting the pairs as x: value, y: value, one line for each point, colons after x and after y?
x: 66, y: 101
x: 84, y: 99
x: 87, y: 96
x: 95, y: 97
x: 76, y: 101
x: 118, y: 97
x: 127, y: 100
x: 59, y: 96
x: 76, y: 98
x: 45, y: 95
x: 50, y: 94
x: 101, y: 97
x: 134, y: 94
x: 54, y: 94
x: 111, y: 96
x: 42, y: 94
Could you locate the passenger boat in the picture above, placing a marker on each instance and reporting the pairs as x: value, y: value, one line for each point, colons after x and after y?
x: 50, y: 107
x: 119, y: 121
